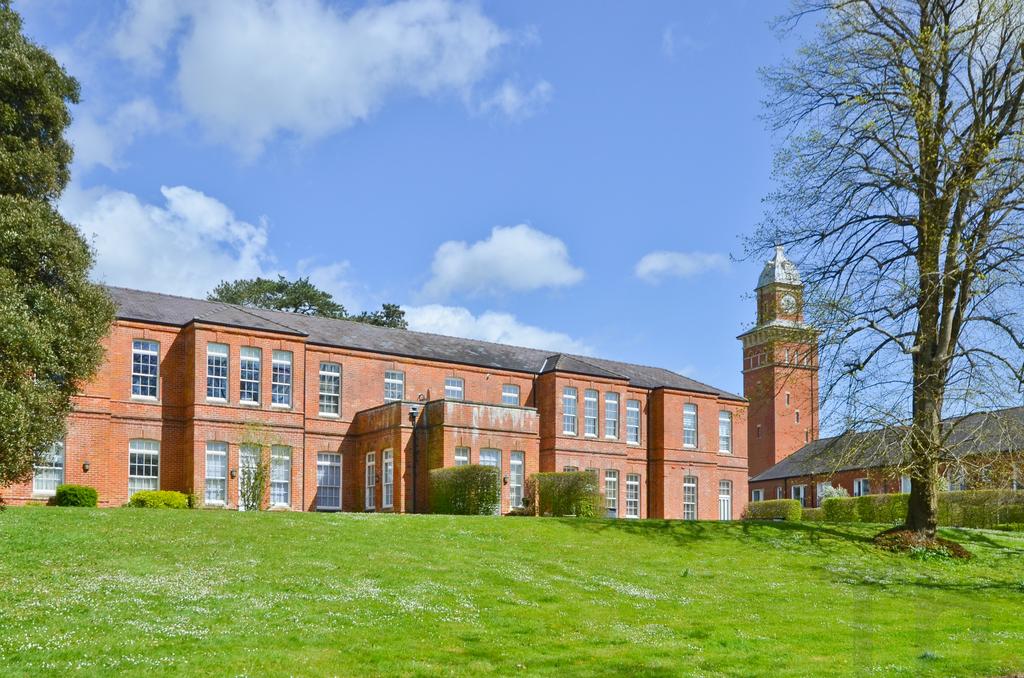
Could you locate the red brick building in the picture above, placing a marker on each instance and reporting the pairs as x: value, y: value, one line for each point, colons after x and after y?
x: 353, y: 417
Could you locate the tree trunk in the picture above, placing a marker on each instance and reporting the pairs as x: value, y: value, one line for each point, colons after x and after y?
x: 923, y: 506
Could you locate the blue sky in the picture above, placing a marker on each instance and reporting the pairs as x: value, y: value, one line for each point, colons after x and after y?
x: 571, y: 175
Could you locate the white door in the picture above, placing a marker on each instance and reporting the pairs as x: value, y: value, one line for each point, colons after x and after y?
x: 247, y: 457
x: 492, y: 457
x: 725, y: 500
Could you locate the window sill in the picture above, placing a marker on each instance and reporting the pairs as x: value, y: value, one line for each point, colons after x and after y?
x: 568, y: 433
x: 217, y: 401
x: 589, y: 435
x: 725, y: 453
x: 327, y: 415
x: 249, y: 403
x: 632, y: 444
x: 611, y: 437
x: 278, y: 406
x: 689, y: 447
x: 145, y: 399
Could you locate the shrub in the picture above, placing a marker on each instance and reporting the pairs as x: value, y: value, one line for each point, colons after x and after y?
x: 569, y: 493
x: 980, y: 508
x: 833, y: 491
x: 773, y: 509
x: 1009, y: 527
x: 812, y: 515
x: 839, y: 509
x: 159, y: 499
x: 75, y: 495
x: 465, y: 490
x: 890, y: 509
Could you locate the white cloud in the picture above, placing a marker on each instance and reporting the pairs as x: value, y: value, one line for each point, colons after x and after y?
x: 517, y: 103
x: 185, y: 247
x: 250, y: 72
x: 513, y: 258
x: 657, y: 265
x: 672, y: 43
x: 102, y: 143
x: 493, y: 326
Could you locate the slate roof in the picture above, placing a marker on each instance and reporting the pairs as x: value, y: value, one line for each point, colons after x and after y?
x: 169, y: 309
x: 980, y: 432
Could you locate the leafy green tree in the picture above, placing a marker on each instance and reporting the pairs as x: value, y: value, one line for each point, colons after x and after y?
x: 52, y: 319
x: 300, y: 296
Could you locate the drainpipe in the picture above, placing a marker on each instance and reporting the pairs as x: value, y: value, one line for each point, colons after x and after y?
x: 647, y: 450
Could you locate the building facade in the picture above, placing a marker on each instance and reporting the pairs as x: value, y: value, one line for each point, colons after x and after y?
x: 193, y: 395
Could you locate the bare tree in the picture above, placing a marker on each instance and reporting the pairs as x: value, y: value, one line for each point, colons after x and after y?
x: 900, y: 194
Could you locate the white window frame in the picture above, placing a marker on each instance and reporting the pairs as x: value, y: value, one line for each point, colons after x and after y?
x: 462, y: 455
x: 145, y: 369
x: 516, y: 477
x: 280, y: 475
x: 370, y: 501
x: 387, y: 468
x: 326, y: 465
x: 590, y: 397
x: 725, y: 431
x: 905, y: 484
x: 216, y: 458
x: 570, y: 469
x: 329, y: 400
x: 143, y: 447
x: 757, y: 495
x: 779, y: 492
x: 820, y: 489
x: 611, y: 415
x: 632, y: 495
x: 800, y: 496
x: 633, y: 422
x: 861, y: 487
x: 510, y: 394
x: 491, y: 456
x: 569, y: 411
x: 49, y: 471
x: 250, y: 373
x: 281, y: 379
x: 611, y: 493
x: 691, y: 423
x: 218, y: 371
x: 725, y: 500
x: 394, y: 386
x: 691, y: 497
x: 454, y: 388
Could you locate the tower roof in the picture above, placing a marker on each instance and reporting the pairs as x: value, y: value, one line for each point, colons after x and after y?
x: 779, y: 269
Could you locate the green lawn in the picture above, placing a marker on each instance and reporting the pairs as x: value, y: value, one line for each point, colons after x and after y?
x: 147, y: 592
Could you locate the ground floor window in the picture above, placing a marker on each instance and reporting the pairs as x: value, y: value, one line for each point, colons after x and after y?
x: 516, y: 478
x: 570, y: 469
x: 216, y: 483
x: 861, y: 487
x: 633, y: 495
x: 492, y: 457
x: 328, y: 481
x: 799, y: 492
x: 143, y: 465
x: 371, y: 481
x: 757, y: 495
x: 611, y: 493
x: 905, y: 484
x: 388, y: 472
x: 280, y: 475
x: 690, y: 498
x: 462, y: 456
x: 778, y: 492
x: 725, y: 500
x: 49, y: 472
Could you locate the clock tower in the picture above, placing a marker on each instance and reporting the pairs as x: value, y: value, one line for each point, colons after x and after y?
x: 780, y: 368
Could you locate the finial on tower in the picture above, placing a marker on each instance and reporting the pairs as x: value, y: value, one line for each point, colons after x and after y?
x: 779, y: 269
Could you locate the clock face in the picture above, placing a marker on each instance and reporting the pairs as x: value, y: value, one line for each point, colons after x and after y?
x: 788, y: 303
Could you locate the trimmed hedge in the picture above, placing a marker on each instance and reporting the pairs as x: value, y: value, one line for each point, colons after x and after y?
x: 773, y: 509
x: 568, y: 493
x: 471, y: 490
x: 890, y: 509
x: 839, y: 510
x: 75, y: 495
x: 812, y: 515
x: 159, y: 499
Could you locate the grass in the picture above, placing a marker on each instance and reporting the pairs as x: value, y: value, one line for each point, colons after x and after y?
x: 149, y: 592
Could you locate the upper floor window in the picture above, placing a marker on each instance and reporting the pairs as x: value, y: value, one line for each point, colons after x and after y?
x: 143, y: 465
x: 462, y: 456
x: 454, y: 388
x: 49, y: 470
x: 145, y: 368
x: 569, y: 410
x: 510, y: 394
x: 611, y: 415
x: 633, y: 422
x: 394, y: 385
x: 689, y: 425
x: 330, y: 389
x: 281, y: 378
x: 590, y: 412
x: 249, y: 375
x: 216, y: 371
x: 725, y: 431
